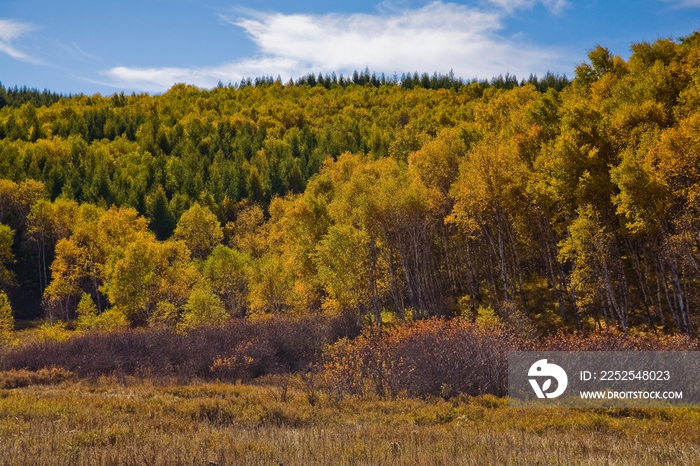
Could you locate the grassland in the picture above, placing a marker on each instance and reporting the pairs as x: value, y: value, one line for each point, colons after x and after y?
x: 284, y: 421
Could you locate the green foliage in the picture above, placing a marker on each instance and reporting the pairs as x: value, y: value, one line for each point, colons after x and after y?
x: 166, y: 314
x: 56, y: 331
x: 86, y: 313
x: 162, y: 220
x: 226, y: 270
x: 7, y: 320
x: 16, y: 96
x: 149, y: 272
x: 203, y: 307
x: 200, y: 230
x: 342, y: 269
x: 589, y: 246
x: 269, y: 285
x: 554, y: 205
x: 89, y: 319
x: 111, y: 319
x: 7, y: 258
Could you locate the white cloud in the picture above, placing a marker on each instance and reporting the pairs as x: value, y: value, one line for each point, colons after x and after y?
x: 553, y: 5
x: 10, y: 30
x: 160, y: 79
x: 437, y: 37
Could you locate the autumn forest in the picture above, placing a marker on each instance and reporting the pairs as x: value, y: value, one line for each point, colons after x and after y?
x: 550, y: 204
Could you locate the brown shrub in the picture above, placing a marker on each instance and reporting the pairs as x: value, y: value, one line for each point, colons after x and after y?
x: 24, y: 378
x: 432, y: 357
x: 616, y: 341
x: 444, y: 358
x: 247, y: 360
x: 275, y: 345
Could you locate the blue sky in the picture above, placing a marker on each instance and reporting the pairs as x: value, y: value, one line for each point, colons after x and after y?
x: 108, y: 46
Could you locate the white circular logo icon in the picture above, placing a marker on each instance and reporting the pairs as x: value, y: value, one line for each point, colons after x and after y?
x: 542, y: 369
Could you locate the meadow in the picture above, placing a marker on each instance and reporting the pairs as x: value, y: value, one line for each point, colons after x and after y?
x: 299, y: 392
x: 279, y: 420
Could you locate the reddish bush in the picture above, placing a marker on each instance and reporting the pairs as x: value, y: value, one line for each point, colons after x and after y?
x: 433, y: 357
x: 438, y: 357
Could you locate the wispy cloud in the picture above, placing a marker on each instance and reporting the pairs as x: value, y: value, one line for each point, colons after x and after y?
x: 437, y: 37
x: 73, y: 51
x: 688, y: 3
x: 11, y: 30
x: 555, y: 6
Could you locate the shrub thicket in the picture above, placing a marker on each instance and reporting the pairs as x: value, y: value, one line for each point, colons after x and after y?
x: 267, y: 346
x: 433, y: 357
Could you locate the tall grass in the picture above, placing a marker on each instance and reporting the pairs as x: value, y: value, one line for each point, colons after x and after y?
x: 115, y: 424
x: 417, y: 394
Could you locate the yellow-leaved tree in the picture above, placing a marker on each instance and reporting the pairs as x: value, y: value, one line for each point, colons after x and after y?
x: 203, y: 308
x: 200, y: 230
x: 7, y: 277
x: 7, y: 321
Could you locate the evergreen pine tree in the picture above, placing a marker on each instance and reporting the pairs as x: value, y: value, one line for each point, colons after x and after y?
x: 162, y: 219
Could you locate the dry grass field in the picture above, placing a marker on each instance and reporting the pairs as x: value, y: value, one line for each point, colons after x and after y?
x: 283, y: 421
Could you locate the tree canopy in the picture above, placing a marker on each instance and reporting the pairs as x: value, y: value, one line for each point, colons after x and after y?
x: 570, y: 204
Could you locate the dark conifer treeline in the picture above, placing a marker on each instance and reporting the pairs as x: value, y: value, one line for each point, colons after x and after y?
x: 425, y: 81
x: 16, y: 96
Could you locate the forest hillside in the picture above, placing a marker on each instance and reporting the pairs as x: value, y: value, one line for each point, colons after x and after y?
x: 547, y: 204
